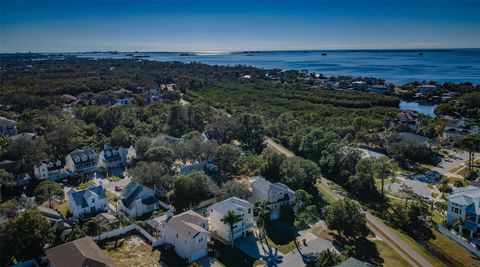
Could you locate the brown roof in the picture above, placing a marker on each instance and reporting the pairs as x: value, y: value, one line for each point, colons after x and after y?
x: 187, y: 224
x: 82, y: 252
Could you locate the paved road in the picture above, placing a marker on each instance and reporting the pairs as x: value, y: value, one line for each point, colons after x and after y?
x: 383, y: 231
x: 376, y: 225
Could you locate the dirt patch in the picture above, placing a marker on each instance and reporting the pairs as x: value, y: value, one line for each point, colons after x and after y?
x: 133, y: 251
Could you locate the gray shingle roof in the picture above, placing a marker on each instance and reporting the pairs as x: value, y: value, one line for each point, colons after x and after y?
x: 79, y: 197
x: 83, y: 156
x: 131, y: 193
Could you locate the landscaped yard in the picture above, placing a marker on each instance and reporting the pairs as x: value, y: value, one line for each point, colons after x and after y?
x: 281, y: 236
x: 133, y: 251
x: 62, y: 207
x: 454, y: 253
x: 233, y: 257
x: 390, y: 257
x: 85, y: 185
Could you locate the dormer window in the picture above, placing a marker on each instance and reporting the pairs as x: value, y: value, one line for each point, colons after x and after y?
x: 93, y: 200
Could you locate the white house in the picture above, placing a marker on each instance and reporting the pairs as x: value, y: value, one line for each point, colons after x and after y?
x: 464, y: 203
x: 218, y: 210
x: 278, y: 195
x: 88, y: 201
x: 50, y: 170
x: 113, y: 157
x: 186, y: 232
x: 359, y: 85
x: 7, y: 127
x: 81, y: 161
x: 426, y: 88
x: 137, y: 200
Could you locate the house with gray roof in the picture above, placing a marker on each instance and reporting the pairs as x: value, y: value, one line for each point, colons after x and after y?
x: 464, y: 204
x: 7, y: 127
x: 87, y: 202
x: 111, y: 158
x: 81, y: 161
x: 352, y: 262
x: 186, y: 232
x: 277, y: 195
x: 137, y: 200
x: 78, y: 253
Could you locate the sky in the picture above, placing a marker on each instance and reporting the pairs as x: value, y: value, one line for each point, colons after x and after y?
x: 184, y: 25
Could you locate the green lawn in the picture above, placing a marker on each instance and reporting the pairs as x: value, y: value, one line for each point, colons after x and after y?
x: 453, y: 253
x: 389, y: 256
x: 62, y: 207
x: 85, y: 185
x: 280, y: 236
x: 232, y: 257
x: 437, y: 217
x: 111, y: 197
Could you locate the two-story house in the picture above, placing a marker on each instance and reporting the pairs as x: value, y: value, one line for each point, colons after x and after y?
x: 464, y: 204
x: 7, y: 127
x: 81, y: 161
x: 218, y: 211
x: 277, y: 195
x: 50, y: 170
x: 90, y: 201
x: 186, y: 232
x: 137, y: 200
x: 112, y: 158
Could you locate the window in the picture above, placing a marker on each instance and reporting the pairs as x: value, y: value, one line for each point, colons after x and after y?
x: 249, y: 211
x: 200, y: 239
x: 177, y: 235
x: 93, y: 200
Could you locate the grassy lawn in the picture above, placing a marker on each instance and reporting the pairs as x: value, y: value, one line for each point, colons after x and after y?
x: 418, y: 248
x: 437, y: 217
x: 280, y: 236
x: 233, y: 257
x: 452, y: 252
x: 325, y: 195
x: 390, y: 257
x: 62, y: 207
x: 111, y: 197
x: 85, y: 185
x: 133, y: 251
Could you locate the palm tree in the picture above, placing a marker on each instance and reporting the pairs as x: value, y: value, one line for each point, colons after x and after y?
x: 460, y: 222
x: 231, y: 219
x: 383, y: 169
x: 263, y: 212
x: 469, y: 143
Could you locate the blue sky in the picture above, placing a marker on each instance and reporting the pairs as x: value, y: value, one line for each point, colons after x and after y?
x: 63, y: 26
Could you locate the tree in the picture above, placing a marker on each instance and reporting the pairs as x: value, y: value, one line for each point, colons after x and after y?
x: 325, y: 258
x: 227, y: 157
x: 119, y: 137
x: 306, y: 216
x: 141, y: 147
x: 460, y: 222
x: 48, y: 191
x: 252, y: 132
x: 223, y: 129
x: 338, y: 162
x: 7, y: 182
x: 161, y: 154
x: 407, y: 193
x: 444, y: 187
x: 383, y: 169
x: 30, y: 152
x: 262, y: 211
x: 471, y: 144
x: 231, y: 218
x: 25, y: 236
x: 189, y: 191
x: 346, y: 217
x: 271, y: 165
x: 4, y: 143
x: 152, y: 174
x: 233, y: 189
x: 299, y: 173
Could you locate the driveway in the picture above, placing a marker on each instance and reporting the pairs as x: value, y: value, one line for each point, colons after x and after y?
x: 314, y: 245
x: 447, y: 164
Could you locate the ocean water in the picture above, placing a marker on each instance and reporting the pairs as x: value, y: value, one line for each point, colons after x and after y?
x: 396, y: 66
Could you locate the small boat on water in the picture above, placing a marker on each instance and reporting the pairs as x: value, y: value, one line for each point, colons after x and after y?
x: 420, y: 54
x: 324, y: 54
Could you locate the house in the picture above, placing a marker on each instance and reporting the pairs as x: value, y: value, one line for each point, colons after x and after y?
x: 407, y: 119
x: 165, y: 138
x: 419, y: 139
x: 277, y: 195
x: 458, y: 128
x: 69, y: 98
x: 153, y: 95
x: 60, y: 227
x: 340, y: 85
x: 50, y: 170
x: 359, y: 85
x: 186, y: 232
x: 125, y: 101
x: 82, y: 252
x: 90, y: 201
x: 218, y: 211
x: 353, y: 262
x: 107, y: 219
x: 380, y: 89
x: 426, y: 88
x: 22, y: 179
x: 112, y: 158
x: 81, y: 161
x: 122, y: 93
x: 50, y: 214
x: 137, y: 200
x: 464, y: 203
x: 7, y: 127
x: 24, y: 137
